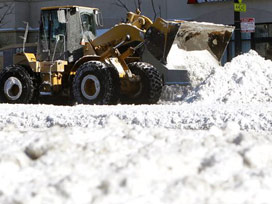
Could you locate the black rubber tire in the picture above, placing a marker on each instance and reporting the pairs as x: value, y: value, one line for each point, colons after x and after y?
x: 151, y: 84
x: 114, y: 85
x: 36, y: 84
x: 107, y: 93
x: 21, y: 74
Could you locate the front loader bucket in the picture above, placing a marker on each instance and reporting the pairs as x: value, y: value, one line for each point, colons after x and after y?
x: 164, y: 36
x: 189, y: 36
x: 214, y: 38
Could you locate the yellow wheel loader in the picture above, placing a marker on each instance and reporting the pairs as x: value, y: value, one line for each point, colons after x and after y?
x: 126, y: 64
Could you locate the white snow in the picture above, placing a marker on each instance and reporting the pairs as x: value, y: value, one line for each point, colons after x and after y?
x: 247, y: 79
x: 213, y: 147
x: 200, y: 64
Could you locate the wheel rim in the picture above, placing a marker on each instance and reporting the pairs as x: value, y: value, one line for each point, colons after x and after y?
x: 90, y: 87
x: 13, y: 88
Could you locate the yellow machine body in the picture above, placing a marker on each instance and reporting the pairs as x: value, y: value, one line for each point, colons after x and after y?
x: 139, y: 39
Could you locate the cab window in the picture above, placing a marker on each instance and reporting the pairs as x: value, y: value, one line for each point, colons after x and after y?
x: 88, y: 23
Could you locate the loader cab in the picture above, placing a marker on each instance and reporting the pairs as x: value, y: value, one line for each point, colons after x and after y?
x: 62, y: 29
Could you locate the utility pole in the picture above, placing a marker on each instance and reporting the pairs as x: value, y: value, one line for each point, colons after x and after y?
x: 237, y: 32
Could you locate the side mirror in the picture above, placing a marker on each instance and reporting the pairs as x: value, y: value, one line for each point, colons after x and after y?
x: 62, y: 16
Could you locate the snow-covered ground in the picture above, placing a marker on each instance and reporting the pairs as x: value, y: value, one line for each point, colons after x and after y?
x: 214, y: 146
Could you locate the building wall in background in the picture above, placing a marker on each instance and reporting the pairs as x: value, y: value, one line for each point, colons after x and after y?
x: 216, y: 12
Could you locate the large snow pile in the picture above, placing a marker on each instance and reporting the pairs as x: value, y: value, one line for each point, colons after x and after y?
x: 246, y: 79
x: 121, y: 164
x: 198, y: 116
x: 216, y: 149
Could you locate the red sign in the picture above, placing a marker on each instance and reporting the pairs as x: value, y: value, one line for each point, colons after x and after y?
x: 247, y: 25
x: 204, y: 1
